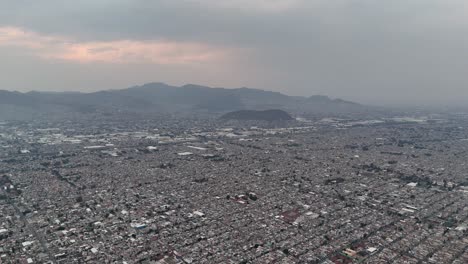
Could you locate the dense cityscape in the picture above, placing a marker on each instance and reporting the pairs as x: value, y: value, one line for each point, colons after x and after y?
x: 204, y: 190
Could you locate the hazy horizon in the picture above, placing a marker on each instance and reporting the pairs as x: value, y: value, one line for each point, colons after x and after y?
x: 371, y: 52
x: 412, y: 106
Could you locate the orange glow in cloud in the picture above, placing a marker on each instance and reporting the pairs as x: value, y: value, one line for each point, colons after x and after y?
x: 121, y: 51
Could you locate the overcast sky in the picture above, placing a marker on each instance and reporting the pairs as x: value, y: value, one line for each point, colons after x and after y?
x: 370, y: 51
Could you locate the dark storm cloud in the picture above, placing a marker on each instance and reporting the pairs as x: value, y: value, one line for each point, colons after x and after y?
x: 395, y: 51
x: 186, y: 20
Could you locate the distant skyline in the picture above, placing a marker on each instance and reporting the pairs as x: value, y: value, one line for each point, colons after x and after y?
x: 396, y: 52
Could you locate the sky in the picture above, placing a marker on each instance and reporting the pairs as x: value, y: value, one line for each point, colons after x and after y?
x: 388, y: 52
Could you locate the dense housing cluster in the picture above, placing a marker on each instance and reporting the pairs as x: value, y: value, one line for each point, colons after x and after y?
x: 390, y: 190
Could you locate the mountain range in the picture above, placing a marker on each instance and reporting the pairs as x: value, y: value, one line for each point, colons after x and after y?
x: 160, y: 97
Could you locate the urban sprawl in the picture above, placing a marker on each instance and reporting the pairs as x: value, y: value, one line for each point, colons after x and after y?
x: 194, y: 190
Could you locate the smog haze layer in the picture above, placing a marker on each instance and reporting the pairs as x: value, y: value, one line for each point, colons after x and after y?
x: 372, y: 52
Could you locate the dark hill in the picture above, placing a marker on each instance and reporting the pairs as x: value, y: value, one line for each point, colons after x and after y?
x: 266, y: 115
